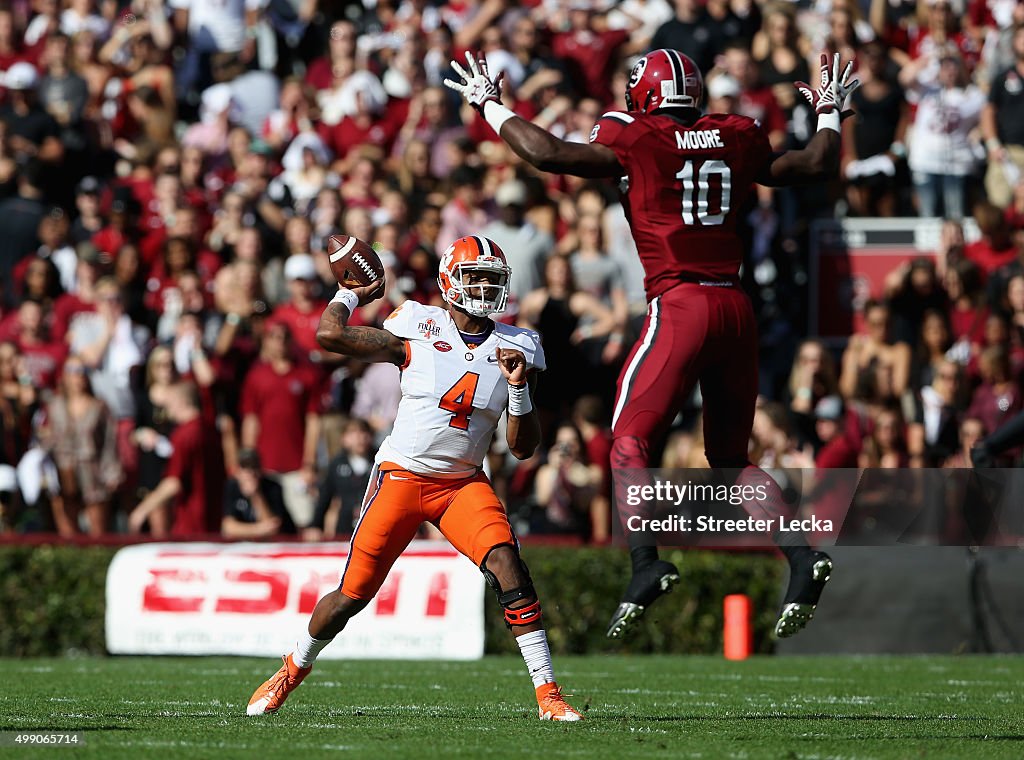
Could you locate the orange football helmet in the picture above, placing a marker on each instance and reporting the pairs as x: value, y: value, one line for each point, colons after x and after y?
x: 474, y: 254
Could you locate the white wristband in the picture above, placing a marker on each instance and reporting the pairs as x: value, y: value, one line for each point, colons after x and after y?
x: 829, y: 120
x: 496, y: 114
x: 519, y: 402
x: 347, y: 297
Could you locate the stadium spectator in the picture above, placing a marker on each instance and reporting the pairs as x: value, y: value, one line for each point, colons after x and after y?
x: 589, y: 50
x: 998, y: 398
x: 886, y: 446
x: 377, y: 394
x: 589, y: 418
x: 689, y: 31
x: 912, y: 289
x: 187, y: 500
x: 42, y: 355
x: 19, y: 400
x: 942, y: 156
x: 875, y: 141
x: 930, y: 351
x: 596, y: 273
x: 995, y: 248
x: 565, y: 317
x: 253, y: 503
x: 755, y: 99
x: 301, y: 312
x: 872, y: 358
x: 19, y: 222
x: 837, y: 442
x: 34, y: 133
x: 216, y: 36
x: 280, y: 409
x: 462, y: 215
x: 812, y: 378
x: 933, y: 435
x: 772, y: 444
x: 344, y: 484
x: 565, y: 488
x: 88, y: 220
x: 81, y: 434
x: 1002, y: 125
x: 109, y: 346
x: 968, y: 310
x: 524, y: 245
x: 153, y: 425
x: 781, y: 53
x: 972, y: 431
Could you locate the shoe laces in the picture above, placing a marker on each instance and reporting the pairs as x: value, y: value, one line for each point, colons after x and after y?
x: 279, y: 678
x: 555, y: 696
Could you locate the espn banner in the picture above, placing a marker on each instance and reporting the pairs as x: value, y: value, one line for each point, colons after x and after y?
x: 254, y: 599
x: 850, y: 260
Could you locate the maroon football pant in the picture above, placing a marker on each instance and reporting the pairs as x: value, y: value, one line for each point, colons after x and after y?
x: 693, y: 333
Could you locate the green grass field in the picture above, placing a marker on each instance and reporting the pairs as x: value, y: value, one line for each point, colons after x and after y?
x: 642, y: 707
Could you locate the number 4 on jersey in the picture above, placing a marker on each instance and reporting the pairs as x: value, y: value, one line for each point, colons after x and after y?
x: 459, y: 400
x: 707, y: 170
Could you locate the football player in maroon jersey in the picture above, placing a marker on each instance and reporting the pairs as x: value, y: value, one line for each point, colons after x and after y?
x: 686, y: 178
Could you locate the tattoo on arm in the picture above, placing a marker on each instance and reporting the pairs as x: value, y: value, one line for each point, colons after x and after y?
x: 367, y: 343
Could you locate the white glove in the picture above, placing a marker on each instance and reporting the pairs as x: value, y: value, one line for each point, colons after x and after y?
x: 476, y: 86
x: 833, y: 91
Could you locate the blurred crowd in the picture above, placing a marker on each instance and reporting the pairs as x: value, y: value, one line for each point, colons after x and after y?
x: 170, y: 174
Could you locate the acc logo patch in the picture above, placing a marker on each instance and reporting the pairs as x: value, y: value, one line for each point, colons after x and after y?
x: 441, y: 346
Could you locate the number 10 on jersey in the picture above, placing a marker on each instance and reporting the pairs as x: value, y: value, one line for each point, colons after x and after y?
x: 703, y: 173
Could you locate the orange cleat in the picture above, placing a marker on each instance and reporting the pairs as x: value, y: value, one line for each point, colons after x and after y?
x: 552, y: 706
x: 272, y: 694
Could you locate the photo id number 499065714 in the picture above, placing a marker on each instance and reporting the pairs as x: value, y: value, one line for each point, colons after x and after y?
x: 39, y: 738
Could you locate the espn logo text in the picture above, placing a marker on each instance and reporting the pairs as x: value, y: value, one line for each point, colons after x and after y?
x: 266, y: 592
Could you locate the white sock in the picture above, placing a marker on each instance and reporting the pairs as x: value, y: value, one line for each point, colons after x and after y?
x: 307, y: 648
x: 534, y: 647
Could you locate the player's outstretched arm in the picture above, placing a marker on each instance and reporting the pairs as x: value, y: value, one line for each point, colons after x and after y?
x: 534, y: 145
x: 523, y: 430
x: 820, y: 159
x: 368, y: 344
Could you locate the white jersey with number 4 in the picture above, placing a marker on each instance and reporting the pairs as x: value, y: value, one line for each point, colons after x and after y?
x: 452, y: 395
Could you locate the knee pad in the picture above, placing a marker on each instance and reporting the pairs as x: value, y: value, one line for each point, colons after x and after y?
x: 629, y: 452
x: 529, y: 613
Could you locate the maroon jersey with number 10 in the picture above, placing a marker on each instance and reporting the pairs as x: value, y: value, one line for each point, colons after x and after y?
x: 686, y: 186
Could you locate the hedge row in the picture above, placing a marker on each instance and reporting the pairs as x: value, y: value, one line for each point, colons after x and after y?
x: 580, y: 588
x: 53, y: 600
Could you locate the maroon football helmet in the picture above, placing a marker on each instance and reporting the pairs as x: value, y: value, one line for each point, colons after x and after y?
x: 662, y: 79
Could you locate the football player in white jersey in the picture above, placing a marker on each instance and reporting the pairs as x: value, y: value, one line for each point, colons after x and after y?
x: 460, y: 371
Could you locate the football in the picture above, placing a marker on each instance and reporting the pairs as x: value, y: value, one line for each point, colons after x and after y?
x: 353, y: 261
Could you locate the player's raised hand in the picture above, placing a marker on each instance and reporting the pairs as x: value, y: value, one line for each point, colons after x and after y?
x: 476, y: 87
x: 370, y: 293
x: 834, y: 89
x: 512, y: 364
